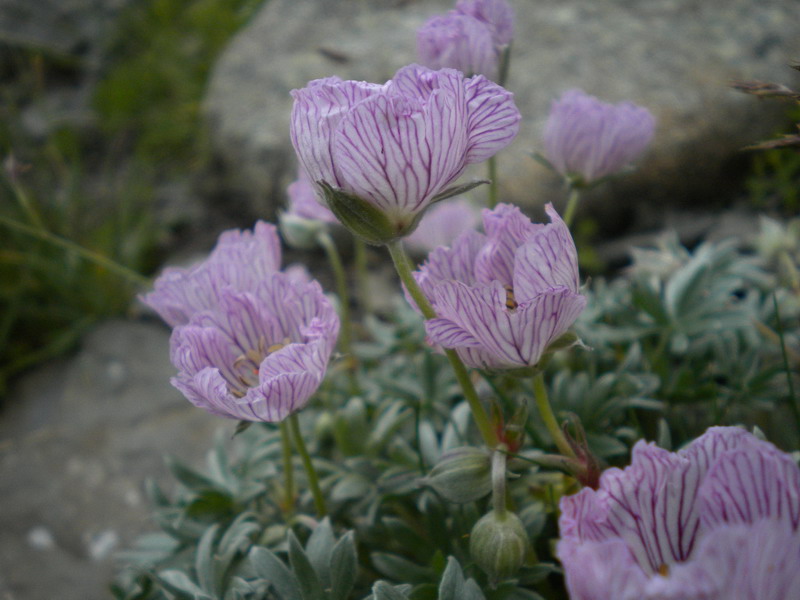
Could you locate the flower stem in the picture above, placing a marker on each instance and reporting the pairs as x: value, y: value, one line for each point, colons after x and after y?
x: 492, y: 177
x: 499, y: 480
x: 546, y: 412
x: 84, y: 253
x: 346, y: 339
x: 288, y: 468
x: 572, y: 204
x: 404, y: 270
x: 311, y: 473
x: 360, y: 251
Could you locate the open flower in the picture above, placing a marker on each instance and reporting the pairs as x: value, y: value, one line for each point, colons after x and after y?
x: 504, y: 296
x: 470, y: 38
x: 443, y: 223
x: 716, y: 521
x: 249, y: 341
x: 586, y: 139
x: 380, y: 154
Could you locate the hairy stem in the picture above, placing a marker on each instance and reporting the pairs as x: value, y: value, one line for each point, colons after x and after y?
x: 311, y: 473
x: 404, y: 270
x: 546, y: 412
x: 572, y: 204
x: 288, y: 468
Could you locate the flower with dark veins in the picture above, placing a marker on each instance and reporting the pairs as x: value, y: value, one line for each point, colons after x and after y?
x: 503, y: 297
x: 716, y: 521
x: 250, y: 342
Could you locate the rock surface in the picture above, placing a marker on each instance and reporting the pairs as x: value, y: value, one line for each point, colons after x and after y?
x: 79, y: 439
x: 674, y: 56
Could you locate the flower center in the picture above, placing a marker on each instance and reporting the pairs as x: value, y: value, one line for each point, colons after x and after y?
x: 246, y: 365
x: 663, y: 570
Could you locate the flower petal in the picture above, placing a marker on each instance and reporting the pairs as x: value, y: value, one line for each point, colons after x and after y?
x: 547, y: 259
x: 493, y: 118
x: 506, y: 230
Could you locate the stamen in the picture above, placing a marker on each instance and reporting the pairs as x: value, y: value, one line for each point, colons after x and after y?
x: 663, y: 570
x: 511, y: 303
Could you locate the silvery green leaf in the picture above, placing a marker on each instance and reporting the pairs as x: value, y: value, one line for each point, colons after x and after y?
x: 319, y: 548
x: 454, y: 587
x: 385, y: 591
x: 310, y: 587
x: 204, y: 561
x: 179, y: 583
x: 272, y: 569
x: 343, y: 567
x: 401, y: 569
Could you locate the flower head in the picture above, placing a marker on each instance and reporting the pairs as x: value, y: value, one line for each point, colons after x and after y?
x: 504, y: 296
x: 383, y: 153
x: 716, y: 521
x: 443, y: 223
x: 249, y: 342
x: 590, y: 139
x: 470, y: 38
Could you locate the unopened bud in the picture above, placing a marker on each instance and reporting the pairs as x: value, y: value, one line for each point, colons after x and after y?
x: 298, y: 232
x: 462, y: 475
x: 499, y: 544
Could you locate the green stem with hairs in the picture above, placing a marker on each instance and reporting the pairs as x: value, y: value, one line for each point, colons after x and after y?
x: 362, y: 286
x: 405, y: 271
x: 499, y: 480
x: 288, y: 468
x: 546, y: 412
x: 84, y: 253
x: 491, y: 165
x: 572, y: 204
x: 311, y: 473
x: 346, y: 338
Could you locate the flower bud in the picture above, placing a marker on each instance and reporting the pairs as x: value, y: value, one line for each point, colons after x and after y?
x: 499, y: 544
x: 298, y: 232
x: 462, y: 475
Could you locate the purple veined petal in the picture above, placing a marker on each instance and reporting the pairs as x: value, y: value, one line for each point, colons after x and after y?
x: 498, y: 14
x: 416, y: 81
x: 398, y: 153
x: 193, y: 349
x: 209, y: 391
x: 454, y: 263
x: 548, y: 259
x: 442, y: 223
x: 449, y: 334
x: 238, y: 261
x: 304, y: 201
x: 748, y: 484
x: 317, y: 110
x: 459, y: 42
x: 589, y: 577
x: 594, y: 139
x: 506, y: 230
x: 493, y: 118
x: 540, y: 321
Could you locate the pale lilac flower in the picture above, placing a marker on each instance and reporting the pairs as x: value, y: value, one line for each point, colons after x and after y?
x: 497, y: 14
x: 442, y: 224
x: 304, y: 202
x: 470, y: 38
x: 249, y: 342
x: 397, y: 146
x: 504, y: 296
x: 590, y: 139
x: 716, y: 521
x: 459, y: 42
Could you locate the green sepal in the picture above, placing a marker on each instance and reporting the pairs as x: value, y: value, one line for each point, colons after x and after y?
x: 363, y: 219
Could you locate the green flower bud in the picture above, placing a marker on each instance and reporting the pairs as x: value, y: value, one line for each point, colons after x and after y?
x: 298, y: 232
x: 462, y: 475
x: 499, y: 544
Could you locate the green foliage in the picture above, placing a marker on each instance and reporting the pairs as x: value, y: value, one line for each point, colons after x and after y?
x: 684, y: 339
x: 161, y: 60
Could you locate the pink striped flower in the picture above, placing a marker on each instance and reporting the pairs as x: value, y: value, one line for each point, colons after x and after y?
x: 716, y: 521
x: 443, y: 223
x: 587, y: 139
x: 470, y: 38
x: 503, y: 297
x: 388, y: 151
x: 249, y: 342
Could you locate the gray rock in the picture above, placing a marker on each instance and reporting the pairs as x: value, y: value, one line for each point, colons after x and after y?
x: 674, y: 56
x: 70, y: 28
x: 79, y: 438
